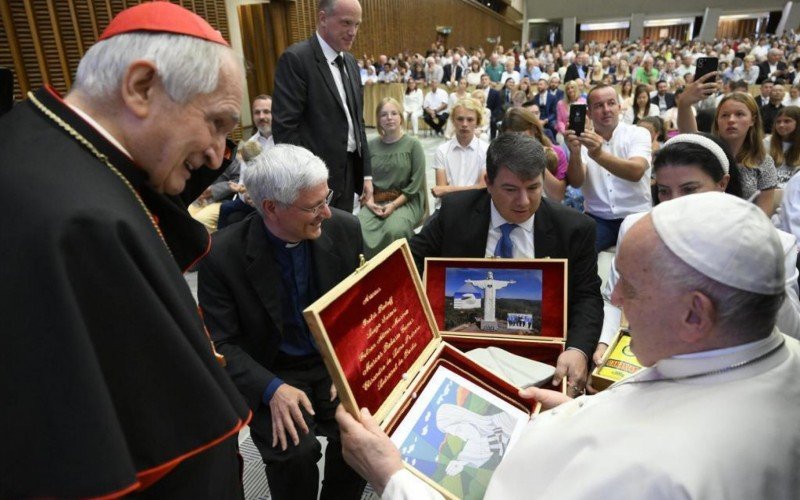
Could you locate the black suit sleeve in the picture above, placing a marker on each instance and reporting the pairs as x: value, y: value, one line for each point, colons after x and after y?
x: 290, y: 100
x: 585, y: 303
x: 428, y: 242
x: 221, y: 316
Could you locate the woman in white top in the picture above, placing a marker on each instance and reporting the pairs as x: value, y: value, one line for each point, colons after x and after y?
x: 474, y: 73
x: 784, y: 144
x: 641, y: 106
x: 793, y: 97
x: 412, y: 104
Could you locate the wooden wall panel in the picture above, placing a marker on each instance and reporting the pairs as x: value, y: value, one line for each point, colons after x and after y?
x: 736, y: 28
x: 604, y: 36
x: 392, y: 26
x: 677, y: 32
x: 44, y: 40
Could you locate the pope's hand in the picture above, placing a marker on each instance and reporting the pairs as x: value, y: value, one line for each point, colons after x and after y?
x: 367, y: 449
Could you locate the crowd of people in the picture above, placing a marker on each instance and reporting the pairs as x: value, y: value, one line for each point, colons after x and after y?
x: 148, y: 392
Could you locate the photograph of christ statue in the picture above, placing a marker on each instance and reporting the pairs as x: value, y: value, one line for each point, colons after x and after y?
x: 491, y: 300
x: 457, y: 433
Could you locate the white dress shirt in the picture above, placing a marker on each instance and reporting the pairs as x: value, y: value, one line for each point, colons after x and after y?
x: 521, y: 237
x: 610, y: 197
x: 435, y: 99
x: 463, y: 166
x: 331, y: 56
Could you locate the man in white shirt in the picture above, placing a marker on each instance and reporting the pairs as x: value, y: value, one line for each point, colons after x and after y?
x: 510, y: 72
x: 682, y: 428
x: 686, y: 66
x: 461, y: 162
x: 434, y: 107
x: 611, y: 164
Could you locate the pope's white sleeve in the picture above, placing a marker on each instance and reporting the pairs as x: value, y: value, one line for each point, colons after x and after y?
x: 403, y: 485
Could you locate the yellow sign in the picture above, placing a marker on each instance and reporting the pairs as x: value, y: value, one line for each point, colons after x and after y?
x: 621, y: 363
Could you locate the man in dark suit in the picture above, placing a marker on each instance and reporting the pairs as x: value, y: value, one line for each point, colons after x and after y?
x: 547, y: 103
x: 509, y: 218
x: 773, y: 68
x: 318, y: 101
x: 494, y: 102
x: 253, y: 287
x: 448, y: 77
x: 663, y: 99
x: 578, y: 69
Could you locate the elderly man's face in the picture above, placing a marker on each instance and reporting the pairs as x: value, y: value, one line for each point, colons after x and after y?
x: 774, y: 57
x: 515, y: 199
x: 262, y: 116
x: 177, y: 139
x: 652, y: 311
x: 339, y: 28
x: 302, y: 220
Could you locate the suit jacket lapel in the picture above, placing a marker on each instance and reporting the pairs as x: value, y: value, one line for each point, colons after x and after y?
x: 261, y: 264
x: 545, y: 243
x: 327, y: 264
x: 478, y: 233
x: 325, y: 72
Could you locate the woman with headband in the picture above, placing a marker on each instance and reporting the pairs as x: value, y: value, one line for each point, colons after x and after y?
x: 698, y: 163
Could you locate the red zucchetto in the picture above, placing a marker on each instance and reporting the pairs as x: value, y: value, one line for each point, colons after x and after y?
x: 162, y: 17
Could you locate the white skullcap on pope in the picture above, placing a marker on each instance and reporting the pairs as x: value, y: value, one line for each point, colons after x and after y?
x: 724, y: 238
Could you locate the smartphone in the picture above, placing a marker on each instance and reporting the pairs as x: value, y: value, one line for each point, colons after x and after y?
x: 704, y: 66
x: 577, y: 118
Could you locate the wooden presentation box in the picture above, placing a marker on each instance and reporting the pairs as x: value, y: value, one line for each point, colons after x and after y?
x: 530, y: 310
x: 380, y: 343
x: 618, y: 362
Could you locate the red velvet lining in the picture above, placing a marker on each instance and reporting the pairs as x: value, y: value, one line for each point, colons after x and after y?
x: 345, y: 318
x: 553, y: 283
x: 455, y: 360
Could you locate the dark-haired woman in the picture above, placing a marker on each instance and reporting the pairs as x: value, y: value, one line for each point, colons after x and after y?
x: 698, y: 163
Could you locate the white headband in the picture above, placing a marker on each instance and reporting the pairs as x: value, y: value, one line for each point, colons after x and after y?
x: 705, y: 142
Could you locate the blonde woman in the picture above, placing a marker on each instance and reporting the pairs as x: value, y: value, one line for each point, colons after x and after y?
x: 398, y: 178
x: 571, y: 96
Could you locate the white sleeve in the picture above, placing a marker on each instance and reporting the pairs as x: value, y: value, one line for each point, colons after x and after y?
x: 788, y: 320
x: 640, y: 145
x: 439, y: 159
x: 404, y: 485
x: 612, y: 315
x: 790, y: 207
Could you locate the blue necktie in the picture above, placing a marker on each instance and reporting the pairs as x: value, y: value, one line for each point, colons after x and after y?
x: 505, y: 248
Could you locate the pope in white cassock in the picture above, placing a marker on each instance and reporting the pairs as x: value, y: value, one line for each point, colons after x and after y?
x: 716, y: 414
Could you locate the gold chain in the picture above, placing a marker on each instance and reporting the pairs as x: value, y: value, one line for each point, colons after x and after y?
x: 100, y: 156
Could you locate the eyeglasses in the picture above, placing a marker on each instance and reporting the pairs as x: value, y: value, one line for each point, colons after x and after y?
x: 316, y: 208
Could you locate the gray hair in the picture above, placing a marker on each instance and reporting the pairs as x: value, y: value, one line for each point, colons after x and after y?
x: 186, y: 65
x: 327, y: 6
x: 521, y: 154
x: 280, y: 173
x: 740, y: 315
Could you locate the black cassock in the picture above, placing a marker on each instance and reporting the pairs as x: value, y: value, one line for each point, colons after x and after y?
x: 108, y: 381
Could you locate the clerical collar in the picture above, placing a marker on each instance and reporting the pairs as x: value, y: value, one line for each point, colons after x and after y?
x: 279, y: 242
x: 498, y: 220
x: 327, y: 50
x: 100, y: 129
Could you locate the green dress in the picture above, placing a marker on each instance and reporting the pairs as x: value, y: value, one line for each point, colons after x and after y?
x: 400, y: 166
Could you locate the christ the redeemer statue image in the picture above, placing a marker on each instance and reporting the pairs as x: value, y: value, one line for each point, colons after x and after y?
x: 490, y: 285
